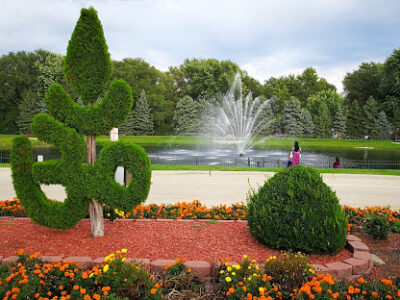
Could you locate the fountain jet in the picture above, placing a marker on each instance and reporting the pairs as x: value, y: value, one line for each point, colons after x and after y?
x: 238, y: 120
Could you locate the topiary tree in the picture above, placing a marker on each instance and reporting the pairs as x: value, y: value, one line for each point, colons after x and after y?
x: 88, y: 68
x: 296, y: 210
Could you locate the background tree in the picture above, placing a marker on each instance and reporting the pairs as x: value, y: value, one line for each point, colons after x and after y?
x: 384, y: 127
x: 17, y: 75
x: 203, y: 77
x: 139, y: 121
x: 28, y: 108
x: 370, y: 123
x: 339, y: 123
x: 354, y: 121
x: 158, y: 86
x: 306, y: 123
x: 291, y: 118
x: 364, y: 82
x: 187, y: 117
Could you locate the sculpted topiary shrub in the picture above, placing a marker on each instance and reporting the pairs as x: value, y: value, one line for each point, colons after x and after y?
x: 105, y: 105
x: 296, y: 210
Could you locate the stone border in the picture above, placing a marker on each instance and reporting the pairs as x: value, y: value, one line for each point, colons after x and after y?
x: 359, y: 264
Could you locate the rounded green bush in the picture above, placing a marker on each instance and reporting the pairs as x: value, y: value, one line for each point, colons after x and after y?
x: 296, y: 210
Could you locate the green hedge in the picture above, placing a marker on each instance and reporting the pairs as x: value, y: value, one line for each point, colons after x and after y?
x: 88, y: 68
x: 296, y: 210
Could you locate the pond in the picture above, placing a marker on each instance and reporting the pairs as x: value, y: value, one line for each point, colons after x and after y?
x: 321, y: 158
x: 357, y: 158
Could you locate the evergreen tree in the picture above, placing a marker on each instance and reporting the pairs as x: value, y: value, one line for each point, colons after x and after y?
x: 187, y: 117
x: 339, y: 123
x: 28, y: 108
x: 384, y: 128
x: 371, y: 115
x: 321, y: 116
x: 291, y: 118
x: 141, y: 115
x: 306, y: 123
x: 127, y: 128
x: 354, y: 121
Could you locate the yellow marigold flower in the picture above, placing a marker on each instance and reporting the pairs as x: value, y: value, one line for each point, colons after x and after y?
x: 105, y: 269
x: 229, y: 269
x: 249, y: 278
x: 233, y: 273
x: 123, y: 259
x: 245, y: 256
x: 221, y: 272
x: 228, y: 279
x: 124, y: 251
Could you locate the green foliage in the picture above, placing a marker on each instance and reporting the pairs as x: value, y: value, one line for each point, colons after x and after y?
x: 127, y: 280
x: 306, y: 123
x: 339, y: 123
x: 291, y: 118
x: 378, y: 226
x: 396, y: 226
x: 17, y: 75
x: 116, y: 279
x: 363, y: 82
x: 89, y: 74
x: 28, y: 108
x: 87, y: 63
x: 187, y: 118
x: 354, y: 121
x: 203, y: 77
x: 371, y: 116
x: 321, y: 117
x: 295, y: 210
x: 302, y: 86
x: 139, y: 121
x: 239, y: 280
x: 289, y: 271
x: 384, y: 128
x: 159, y: 88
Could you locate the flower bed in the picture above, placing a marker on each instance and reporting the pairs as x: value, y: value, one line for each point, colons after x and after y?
x: 116, y: 278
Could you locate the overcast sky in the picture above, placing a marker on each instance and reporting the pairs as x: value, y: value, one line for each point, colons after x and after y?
x: 266, y: 38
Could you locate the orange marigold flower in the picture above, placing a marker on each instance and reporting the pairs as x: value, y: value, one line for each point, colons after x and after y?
x: 19, y: 252
x: 87, y: 297
x: 388, y: 297
x: 96, y: 296
x: 374, y: 294
x: 76, y: 287
x: 153, y: 291
x: 82, y: 291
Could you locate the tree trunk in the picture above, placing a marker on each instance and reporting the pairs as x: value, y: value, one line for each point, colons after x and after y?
x: 95, y: 208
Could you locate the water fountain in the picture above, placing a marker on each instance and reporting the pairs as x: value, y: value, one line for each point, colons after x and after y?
x: 238, y: 120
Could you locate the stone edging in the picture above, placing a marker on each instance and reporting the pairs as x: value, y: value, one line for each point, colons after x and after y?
x: 359, y: 264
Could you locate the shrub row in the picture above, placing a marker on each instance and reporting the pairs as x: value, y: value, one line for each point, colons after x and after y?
x: 289, y: 277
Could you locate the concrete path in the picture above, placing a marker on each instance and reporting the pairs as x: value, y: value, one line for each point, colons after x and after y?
x: 217, y: 187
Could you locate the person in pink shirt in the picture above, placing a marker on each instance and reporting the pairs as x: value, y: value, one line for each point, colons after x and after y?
x: 336, y: 163
x: 296, y: 154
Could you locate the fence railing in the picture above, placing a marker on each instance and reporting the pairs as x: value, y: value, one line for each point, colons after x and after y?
x: 244, y: 161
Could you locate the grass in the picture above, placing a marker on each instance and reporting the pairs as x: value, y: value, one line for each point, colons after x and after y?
x: 260, y: 143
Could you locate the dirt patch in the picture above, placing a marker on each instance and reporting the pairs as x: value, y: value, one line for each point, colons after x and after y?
x: 388, y: 251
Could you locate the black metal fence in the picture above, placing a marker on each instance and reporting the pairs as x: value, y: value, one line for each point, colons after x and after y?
x: 242, y: 161
x: 270, y: 162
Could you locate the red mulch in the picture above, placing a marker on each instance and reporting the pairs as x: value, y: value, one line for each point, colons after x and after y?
x: 152, y: 239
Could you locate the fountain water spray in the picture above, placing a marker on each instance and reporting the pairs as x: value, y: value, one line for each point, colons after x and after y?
x: 238, y: 120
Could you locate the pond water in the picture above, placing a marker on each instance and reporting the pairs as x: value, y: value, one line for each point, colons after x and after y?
x: 357, y: 158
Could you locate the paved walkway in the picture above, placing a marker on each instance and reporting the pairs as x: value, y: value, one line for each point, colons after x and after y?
x: 217, y: 187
